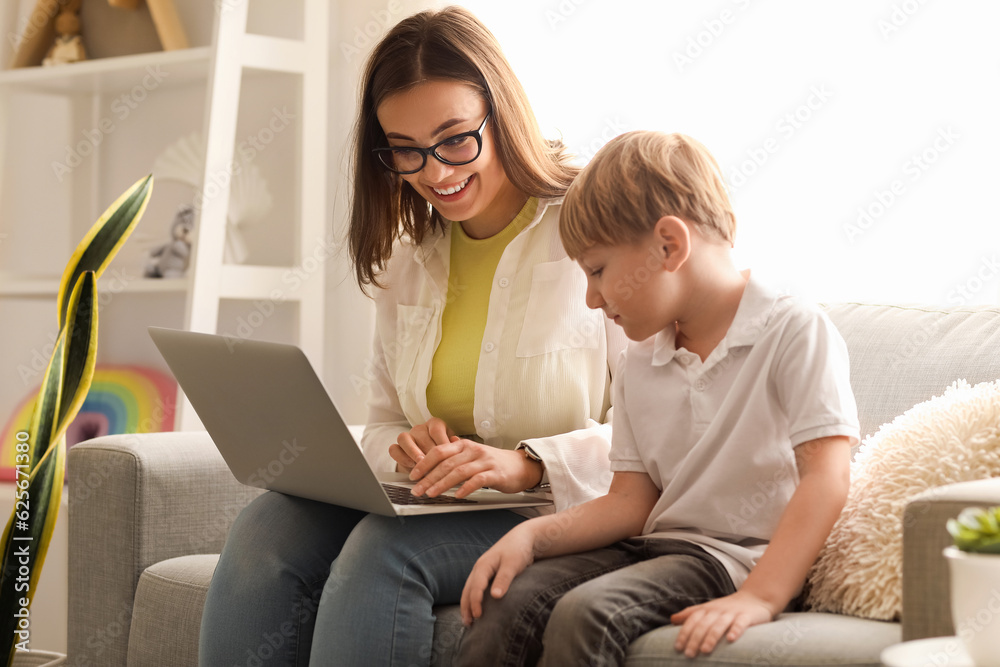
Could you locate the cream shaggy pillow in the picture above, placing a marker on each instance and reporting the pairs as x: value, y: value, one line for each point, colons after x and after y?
x: 950, y: 438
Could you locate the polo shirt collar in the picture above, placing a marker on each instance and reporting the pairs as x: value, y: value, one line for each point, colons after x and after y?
x: 752, y: 315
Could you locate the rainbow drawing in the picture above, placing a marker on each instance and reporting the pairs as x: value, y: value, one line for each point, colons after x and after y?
x: 122, y: 399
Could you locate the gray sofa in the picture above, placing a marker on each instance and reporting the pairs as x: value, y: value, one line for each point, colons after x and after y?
x: 149, y: 513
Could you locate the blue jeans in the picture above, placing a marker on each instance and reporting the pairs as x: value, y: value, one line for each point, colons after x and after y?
x: 301, y: 582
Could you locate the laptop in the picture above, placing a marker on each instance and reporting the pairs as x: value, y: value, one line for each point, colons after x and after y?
x: 277, y: 428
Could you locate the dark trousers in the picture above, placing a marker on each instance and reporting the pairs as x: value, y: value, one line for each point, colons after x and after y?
x: 585, y: 609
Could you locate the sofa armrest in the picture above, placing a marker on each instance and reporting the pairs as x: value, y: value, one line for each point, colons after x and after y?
x: 926, y: 592
x: 136, y: 500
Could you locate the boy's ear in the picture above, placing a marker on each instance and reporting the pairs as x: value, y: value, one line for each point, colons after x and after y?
x: 673, y: 239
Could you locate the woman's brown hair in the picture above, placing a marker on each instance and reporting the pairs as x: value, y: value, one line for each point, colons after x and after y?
x: 450, y: 44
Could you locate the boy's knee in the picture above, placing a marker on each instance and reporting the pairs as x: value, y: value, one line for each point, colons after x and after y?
x: 576, y: 609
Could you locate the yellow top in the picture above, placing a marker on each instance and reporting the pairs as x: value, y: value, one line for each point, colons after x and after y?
x: 451, y: 390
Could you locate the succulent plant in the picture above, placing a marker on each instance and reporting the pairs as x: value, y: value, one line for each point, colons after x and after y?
x: 977, y: 530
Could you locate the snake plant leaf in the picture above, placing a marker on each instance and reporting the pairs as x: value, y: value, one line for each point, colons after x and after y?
x: 102, y: 242
x: 26, y: 548
x: 43, y: 417
x: 65, y: 384
x: 80, y: 350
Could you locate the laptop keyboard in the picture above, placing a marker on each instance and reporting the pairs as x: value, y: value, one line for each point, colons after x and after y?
x: 400, y: 495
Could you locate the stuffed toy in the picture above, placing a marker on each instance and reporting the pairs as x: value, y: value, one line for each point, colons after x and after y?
x: 170, y: 260
x: 68, y: 45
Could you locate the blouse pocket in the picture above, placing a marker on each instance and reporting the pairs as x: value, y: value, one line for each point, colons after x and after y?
x: 411, y: 326
x: 557, y: 317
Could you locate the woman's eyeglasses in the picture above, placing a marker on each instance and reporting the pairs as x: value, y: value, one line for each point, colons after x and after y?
x: 457, y: 150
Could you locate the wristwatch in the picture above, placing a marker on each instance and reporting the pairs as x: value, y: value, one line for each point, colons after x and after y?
x: 532, y: 455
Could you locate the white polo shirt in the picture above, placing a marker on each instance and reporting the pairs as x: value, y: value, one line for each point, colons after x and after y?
x: 718, y: 437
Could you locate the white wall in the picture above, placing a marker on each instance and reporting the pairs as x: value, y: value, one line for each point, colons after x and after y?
x: 355, y: 28
x: 881, y: 95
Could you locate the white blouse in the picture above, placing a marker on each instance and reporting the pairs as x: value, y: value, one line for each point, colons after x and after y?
x: 545, y: 364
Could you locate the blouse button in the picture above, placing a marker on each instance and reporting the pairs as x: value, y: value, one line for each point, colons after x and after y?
x: 489, y: 347
x: 486, y: 424
x: 503, y: 282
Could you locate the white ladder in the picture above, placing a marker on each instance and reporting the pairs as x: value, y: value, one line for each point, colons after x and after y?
x: 233, y: 51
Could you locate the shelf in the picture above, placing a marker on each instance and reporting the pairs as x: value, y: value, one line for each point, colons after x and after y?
x: 43, y: 287
x: 111, y: 75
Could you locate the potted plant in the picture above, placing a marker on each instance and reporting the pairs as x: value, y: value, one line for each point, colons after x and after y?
x: 41, y: 449
x: 974, y: 563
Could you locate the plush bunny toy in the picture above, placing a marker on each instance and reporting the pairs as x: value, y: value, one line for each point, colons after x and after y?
x: 170, y: 260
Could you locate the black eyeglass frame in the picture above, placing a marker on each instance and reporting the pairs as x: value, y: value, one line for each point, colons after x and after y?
x: 432, y: 150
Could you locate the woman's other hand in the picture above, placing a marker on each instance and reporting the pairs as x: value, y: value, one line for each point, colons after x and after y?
x: 411, y: 447
x: 474, y: 466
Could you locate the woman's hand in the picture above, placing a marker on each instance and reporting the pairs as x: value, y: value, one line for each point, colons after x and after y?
x: 473, y: 466
x: 411, y: 447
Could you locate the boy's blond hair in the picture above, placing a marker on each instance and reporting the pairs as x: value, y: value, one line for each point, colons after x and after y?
x: 636, y: 179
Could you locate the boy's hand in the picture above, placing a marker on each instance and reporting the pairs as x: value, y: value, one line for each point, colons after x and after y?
x: 410, y: 447
x: 502, y: 562
x: 705, y: 624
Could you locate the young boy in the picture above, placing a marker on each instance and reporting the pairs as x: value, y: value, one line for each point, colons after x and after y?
x: 733, y: 423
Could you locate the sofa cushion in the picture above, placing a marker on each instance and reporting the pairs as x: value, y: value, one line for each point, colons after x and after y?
x: 800, y: 639
x: 792, y: 639
x: 902, y: 355
x: 171, y: 595
x: 166, y: 618
x: 950, y: 438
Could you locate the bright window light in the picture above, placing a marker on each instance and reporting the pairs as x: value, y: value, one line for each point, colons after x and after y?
x: 859, y: 139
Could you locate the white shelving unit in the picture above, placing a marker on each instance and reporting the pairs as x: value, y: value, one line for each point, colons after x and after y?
x: 73, y: 137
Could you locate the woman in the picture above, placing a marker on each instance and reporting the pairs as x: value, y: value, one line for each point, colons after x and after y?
x: 488, y: 368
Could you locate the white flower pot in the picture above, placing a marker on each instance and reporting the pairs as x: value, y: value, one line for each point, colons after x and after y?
x: 975, y: 603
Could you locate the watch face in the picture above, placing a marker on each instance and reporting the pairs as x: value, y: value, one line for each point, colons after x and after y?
x: 530, y: 453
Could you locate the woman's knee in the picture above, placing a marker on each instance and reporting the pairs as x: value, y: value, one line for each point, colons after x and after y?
x: 280, y: 531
